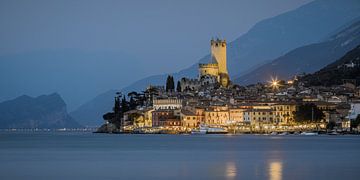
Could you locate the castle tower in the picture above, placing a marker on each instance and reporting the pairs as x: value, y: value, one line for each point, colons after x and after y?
x: 218, y: 54
x: 217, y: 68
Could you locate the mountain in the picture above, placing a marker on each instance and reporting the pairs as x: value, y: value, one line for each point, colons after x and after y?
x: 77, y: 75
x: 46, y: 111
x: 306, y: 59
x: 90, y: 114
x: 267, y: 40
x: 273, y: 37
x: 347, y: 67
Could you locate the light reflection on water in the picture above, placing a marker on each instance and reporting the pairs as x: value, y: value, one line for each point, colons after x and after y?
x: 275, y: 170
x: 230, y: 171
x: 100, y: 156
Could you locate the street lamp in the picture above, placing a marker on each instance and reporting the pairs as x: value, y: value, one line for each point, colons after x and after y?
x: 274, y: 83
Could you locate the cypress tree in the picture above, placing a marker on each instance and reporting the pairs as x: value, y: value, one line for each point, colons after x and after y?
x: 170, y: 85
x: 124, y: 105
x: 132, y: 103
x: 178, y: 87
x: 167, y: 83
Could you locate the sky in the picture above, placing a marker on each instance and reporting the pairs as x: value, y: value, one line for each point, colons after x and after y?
x: 164, y: 36
x: 160, y: 31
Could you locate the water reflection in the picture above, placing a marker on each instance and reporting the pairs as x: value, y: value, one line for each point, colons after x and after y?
x: 275, y: 170
x: 230, y: 171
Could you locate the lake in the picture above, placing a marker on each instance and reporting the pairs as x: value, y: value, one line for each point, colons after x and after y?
x: 84, y: 155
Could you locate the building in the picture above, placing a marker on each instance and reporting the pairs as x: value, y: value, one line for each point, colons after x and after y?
x: 236, y: 115
x: 148, y: 117
x: 261, y: 116
x: 354, y: 110
x: 165, y: 117
x: 217, y: 115
x: 189, y: 119
x: 167, y: 103
x: 218, y: 67
x: 284, y: 112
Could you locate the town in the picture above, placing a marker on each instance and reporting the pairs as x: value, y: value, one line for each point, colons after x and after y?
x: 211, y: 103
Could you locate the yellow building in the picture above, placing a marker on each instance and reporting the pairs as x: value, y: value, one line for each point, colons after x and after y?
x: 189, y: 119
x: 236, y: 115
x: 284, y: 112
x: 148, y: 117
x: 211, y: 69
x: 217, y: 67
x: 217, y: 115
x: 261, y: 116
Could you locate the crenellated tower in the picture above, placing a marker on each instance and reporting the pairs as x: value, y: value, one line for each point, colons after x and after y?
x: 218, y: 54
x: 217, y: 67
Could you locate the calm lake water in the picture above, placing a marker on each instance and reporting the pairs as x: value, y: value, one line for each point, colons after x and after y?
x: 79, y: 155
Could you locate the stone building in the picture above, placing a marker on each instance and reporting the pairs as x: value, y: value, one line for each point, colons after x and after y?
x: 217, y: 67
x: 167, y: 103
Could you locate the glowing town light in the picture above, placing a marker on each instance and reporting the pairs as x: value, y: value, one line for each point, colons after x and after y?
x: 274, y: 83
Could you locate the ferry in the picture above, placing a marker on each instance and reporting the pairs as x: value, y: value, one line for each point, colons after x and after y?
x: 309, y: 133
x: 203, y: 129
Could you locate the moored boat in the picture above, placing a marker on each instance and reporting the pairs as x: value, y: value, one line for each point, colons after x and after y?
x: 309, y: 133
x: 203, y: 129
x: 284, y: 133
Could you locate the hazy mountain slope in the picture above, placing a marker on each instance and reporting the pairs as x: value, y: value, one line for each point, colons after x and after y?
x: 334, y: 73
x: 78, y: 76
x: 46, y: 111
x: 306, y: 59
x: 275, y: 36
x: 267, y: 40
x: 90, y: 114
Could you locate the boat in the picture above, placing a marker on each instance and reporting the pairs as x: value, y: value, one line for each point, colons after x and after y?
x: 216, y: 130
x: 333, y: 133
x: 204, y: 129
x: 284, y: 133
x: 309, y: 133
x: 273, y: 133
x: 198, y: 131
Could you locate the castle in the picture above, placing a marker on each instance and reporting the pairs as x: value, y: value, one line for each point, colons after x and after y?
x: 217, y: 68
x: 213, y: 72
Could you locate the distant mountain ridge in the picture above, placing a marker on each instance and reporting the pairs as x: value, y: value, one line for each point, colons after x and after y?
x: 77, y: 75
x: 267, y: 40
x: 347, y: 67
x: 46, y: 111
x: 306, y: 59
x: 274, y: 37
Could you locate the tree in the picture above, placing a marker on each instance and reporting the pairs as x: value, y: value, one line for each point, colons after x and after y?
x: 178, y: 87
x: 308, y: 112
x: 356, y: 122
x: 117, y: 107
x: 331, y: 125
x: 124, y: 105
x: 132, y: 103
x: 170, y: 86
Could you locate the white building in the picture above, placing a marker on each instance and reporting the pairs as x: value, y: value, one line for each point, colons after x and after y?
x: 354, y: 110
x: 167, y: 103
